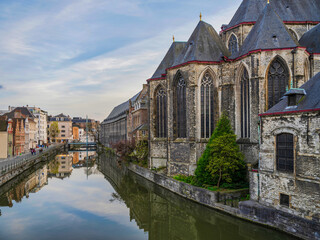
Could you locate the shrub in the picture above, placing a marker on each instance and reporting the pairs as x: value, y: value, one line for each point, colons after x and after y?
x: 226, y: 160
x: 202, y: 173
x: 124, y: 149
x: 140, y: 153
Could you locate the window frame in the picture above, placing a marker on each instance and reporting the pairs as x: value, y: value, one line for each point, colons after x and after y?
x: 288, y: 168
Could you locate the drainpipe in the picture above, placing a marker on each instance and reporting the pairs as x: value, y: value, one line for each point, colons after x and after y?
x: 149, y: 132
x: 294, y: 51
x: 259, y: 133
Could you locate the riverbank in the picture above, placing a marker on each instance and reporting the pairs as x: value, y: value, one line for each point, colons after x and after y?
x: 248, y: 210
x: 12, y: 167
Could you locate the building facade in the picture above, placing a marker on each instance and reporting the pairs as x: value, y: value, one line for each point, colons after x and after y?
x: 289, y: 173
x: 41, y: 119
x: 243, y: 71
x: 115, y: 127
x: 65, y: 128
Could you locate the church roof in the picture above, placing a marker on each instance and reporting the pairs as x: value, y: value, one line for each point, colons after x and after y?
x: 120, y: 110
x: 269, y: 32
x: 203, y: 45
x: 310, y: 102
x: 288, y: 10
x: 172, y: 54
x: 311, y: 39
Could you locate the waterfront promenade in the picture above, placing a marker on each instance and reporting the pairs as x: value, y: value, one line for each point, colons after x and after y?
x: 13, y: 166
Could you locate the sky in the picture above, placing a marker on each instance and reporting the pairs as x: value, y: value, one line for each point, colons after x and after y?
x: 84, y: 57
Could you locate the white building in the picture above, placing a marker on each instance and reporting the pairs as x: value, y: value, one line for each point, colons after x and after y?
x: 41, y: 116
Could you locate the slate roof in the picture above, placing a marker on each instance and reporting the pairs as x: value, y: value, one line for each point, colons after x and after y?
x: 167, y: 62
x: 119, y: 111
x: 310, y: 102
x: 311, y: 39
x: 269, y: 32
x: 25, y: 111
x: 203, y: 45
x: 288, y: 10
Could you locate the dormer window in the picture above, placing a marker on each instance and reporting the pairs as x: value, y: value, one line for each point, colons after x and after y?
x: 295, y: 95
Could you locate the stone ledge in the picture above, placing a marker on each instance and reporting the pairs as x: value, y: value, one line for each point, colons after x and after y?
x: 248, y: 210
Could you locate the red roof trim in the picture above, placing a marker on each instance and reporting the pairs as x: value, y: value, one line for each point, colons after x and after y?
x: 154, y: 79
x: 289, y: 112
x: 253, y: 22
x: 230, y: 60
x: 243, y: 23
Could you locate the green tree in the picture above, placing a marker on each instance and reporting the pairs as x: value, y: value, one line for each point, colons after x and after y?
x: 225, y: 159
x: 54, y: 130
x: 202, y: 173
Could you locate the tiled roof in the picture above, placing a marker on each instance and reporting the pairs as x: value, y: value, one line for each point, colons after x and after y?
x: 25, y: 111
x: 167, y: 62
x: 288, y: 10
x: 310, y: 102
x: 269, y: 32
x: 204, y: 45
x: 311, y: 39
x: 120, y: 111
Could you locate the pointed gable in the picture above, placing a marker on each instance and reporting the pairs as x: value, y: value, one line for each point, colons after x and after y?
x: 288, y: 10
x: 311, y: 40
x: 203, y: 45
x: 169, y: 59
x: 269, y: 32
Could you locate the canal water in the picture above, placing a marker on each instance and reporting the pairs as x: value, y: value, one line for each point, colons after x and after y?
x: 68, y: 198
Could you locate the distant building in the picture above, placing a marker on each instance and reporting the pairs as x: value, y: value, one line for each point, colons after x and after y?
x: 6, y: 137
x: 41, y: 116
x: 114, y: 128
x: 65, y: 127
x: 139, y: 116
x: 75, y: 132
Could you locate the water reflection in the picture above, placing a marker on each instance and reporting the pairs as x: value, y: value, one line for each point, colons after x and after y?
x: 164, y: 215
x: 82, y: 199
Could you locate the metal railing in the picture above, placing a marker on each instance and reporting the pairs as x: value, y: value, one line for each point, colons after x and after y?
x: 11, y: 163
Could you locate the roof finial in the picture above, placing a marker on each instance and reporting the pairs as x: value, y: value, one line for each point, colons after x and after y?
x: 173, y: 38
x: 268, y: 1
x: 200, y: 16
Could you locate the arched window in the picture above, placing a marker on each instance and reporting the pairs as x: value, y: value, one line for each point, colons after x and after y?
x: 233, y: 44
x: 306, y: 70
x: 285, y: 156
x: 161, y: 113
x: 245, y: 104
x: 180, y: 123
x: 293, y: 33
x: 278, y: 81
x: 207, y: 106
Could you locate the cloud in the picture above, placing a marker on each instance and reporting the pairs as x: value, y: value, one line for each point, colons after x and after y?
x: 1, y: 87
x: 87, y: 56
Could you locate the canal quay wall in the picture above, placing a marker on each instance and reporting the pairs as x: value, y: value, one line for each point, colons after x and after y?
x: 12, y: 167
x: 248, y: 210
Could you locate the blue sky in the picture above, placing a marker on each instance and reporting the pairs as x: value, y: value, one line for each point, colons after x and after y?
x: 86, y: 56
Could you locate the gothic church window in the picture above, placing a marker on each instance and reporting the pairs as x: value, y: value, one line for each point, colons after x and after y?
x: 161, y: 113
x: 233, y: 44
x: 207, y: 106
x: 245, y: 104
x: 285, y: 152
x: 278, y: 82
x: 180, y: 107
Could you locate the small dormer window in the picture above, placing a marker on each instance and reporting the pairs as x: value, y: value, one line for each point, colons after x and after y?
x: 295, y: 95
x: 292, y: 100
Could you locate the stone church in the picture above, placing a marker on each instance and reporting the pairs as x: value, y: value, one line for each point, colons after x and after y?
x: 265, y: 50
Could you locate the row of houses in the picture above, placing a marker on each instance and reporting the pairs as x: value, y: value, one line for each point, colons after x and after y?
x: 262, y: 69
x: 25, y: 128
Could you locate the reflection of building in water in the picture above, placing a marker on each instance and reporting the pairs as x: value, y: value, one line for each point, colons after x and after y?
x: 83, y: 155
x: 75, y: 158
x: 61, y: 167
x: 33, y: 183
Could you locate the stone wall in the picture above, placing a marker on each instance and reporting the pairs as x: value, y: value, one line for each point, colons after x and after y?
x: 248, y: 210
x: 303, y: 185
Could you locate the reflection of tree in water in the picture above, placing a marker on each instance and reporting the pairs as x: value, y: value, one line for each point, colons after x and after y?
x: 53, y: 166
x: 164, y: 215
